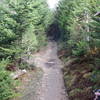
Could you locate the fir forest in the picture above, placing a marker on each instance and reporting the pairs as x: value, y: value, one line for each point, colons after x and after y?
x: 49, y: 49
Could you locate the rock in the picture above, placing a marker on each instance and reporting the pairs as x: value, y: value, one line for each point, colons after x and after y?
x: 24, y: 71
x: 18, y: 73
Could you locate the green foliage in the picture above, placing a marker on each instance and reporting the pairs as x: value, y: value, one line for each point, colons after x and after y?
x: 33, y: 19
x: 96, y: 77
x: 95, y: 30
x: 81, y: 49
x: 77, y: 22
x: 7, y: 85
x: 80, y: 30
x: 8, y: 32
x: 75, y: 91
x: 23, y: 24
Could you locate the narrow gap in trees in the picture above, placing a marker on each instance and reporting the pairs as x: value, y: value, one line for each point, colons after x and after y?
x: 53, y: 32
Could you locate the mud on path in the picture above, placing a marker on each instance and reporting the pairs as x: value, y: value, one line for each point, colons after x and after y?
x: 47, y: 84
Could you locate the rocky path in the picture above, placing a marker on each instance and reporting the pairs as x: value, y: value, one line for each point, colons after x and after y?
x: 52, y: 85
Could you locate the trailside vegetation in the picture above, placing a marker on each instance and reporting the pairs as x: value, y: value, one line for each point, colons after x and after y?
x: 79, y: 23
x: 23, y: 24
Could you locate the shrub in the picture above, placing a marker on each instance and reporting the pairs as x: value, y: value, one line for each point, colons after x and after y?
x: 6, y: 83
x: 95, y: 77
x: 81, y: 49
x: 77, y: 22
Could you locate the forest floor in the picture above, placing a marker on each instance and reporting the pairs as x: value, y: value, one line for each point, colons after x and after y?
x: 47, y: 82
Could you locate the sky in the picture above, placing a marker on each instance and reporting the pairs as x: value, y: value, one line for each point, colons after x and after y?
x: 52, y: 3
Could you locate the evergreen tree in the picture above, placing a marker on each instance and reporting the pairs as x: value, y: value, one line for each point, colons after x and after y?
x: 75, y: 18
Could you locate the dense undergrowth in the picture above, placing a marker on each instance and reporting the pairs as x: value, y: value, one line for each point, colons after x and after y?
x: 23, y: 24
x: 79, y: 23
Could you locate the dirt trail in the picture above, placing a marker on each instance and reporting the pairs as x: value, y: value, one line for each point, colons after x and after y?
x: 52, y: 85
x: 47, y: 84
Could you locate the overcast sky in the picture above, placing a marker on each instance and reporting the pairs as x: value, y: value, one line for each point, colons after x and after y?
x: 52, y: 3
